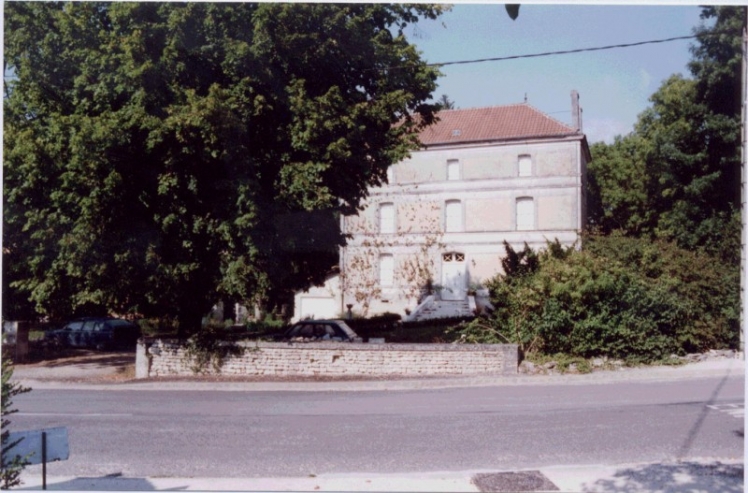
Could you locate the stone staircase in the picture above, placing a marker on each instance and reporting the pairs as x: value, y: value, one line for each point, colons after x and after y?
x: 435, y: 308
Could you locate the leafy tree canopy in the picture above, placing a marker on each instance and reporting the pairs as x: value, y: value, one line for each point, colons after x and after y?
x: 158, y: 155
x: 677, y: 175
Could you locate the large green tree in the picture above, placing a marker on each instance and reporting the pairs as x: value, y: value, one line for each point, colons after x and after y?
x: 161, y: 155
x: 677, y: 175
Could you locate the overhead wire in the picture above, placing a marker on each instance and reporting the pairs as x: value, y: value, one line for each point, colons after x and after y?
x: 577, y: 50
x: 560, y: 52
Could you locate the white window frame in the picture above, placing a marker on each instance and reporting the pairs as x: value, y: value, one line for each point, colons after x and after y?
x: 453, y: 217
x: 386, y: 270
x: 386, y: 218
x: 524, y: 165
x: 525, y: 214
x: 391, y: 175
x: 454, y: 171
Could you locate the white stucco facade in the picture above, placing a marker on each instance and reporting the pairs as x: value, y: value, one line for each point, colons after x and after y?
x: 443, y: 218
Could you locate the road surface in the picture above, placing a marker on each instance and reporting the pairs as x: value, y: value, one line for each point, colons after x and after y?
x: 176, y: 433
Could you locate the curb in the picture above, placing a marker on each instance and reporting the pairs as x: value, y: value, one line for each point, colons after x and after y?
x: 708, y: 369
x: 698, y: 474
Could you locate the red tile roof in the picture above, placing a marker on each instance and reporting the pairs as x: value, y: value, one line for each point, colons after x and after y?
x: 517, y: 121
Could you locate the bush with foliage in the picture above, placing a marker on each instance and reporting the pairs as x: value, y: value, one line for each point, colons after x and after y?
x: 210, y: 347
x: 625, y: 298
x: 11, y: 464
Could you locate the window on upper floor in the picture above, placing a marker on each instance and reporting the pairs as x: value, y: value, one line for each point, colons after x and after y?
x: 525, y: 210
x: 453, y: 169
x: 386, y: 218
x: 386, y: 270
x: 453, y: 216
x: 391, y: 175
x: 524, y: 165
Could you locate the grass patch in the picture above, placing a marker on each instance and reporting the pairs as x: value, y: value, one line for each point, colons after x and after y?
x: 564, y: 362
x: 36, y: 335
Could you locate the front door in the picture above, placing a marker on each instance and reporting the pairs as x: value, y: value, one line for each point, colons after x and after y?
x: 454, y: 276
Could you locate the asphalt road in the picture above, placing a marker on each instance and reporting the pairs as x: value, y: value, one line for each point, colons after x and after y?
x: 263, y: 434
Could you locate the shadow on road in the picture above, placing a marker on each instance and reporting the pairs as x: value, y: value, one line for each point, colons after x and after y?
x: 112, y: 482
x: 70, y: 357
x: 93, y: 359
x: 673, y: 478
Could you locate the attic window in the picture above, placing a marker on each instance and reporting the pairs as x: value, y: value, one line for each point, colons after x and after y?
x: 456, y: 132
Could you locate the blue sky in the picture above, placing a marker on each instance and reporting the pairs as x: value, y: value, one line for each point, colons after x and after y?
x: 614, y: 85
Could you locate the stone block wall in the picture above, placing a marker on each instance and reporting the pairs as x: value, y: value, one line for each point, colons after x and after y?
x: 161, y: 358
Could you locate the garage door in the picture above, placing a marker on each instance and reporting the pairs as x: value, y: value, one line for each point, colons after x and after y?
x: 319, y: 308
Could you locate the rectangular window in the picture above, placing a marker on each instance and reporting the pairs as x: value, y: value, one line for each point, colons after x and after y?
x: 453, y: 216
x: 524, y: 165
x: 453, y: 169
x: 525, y: 214
x: 386, y: 270
x: 386, y: 218
x: 390, y: 175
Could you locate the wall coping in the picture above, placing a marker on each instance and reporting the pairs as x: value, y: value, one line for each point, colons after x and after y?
x: 361, y: 346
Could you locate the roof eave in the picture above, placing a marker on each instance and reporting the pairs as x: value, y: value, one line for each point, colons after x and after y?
x: 575, y: 135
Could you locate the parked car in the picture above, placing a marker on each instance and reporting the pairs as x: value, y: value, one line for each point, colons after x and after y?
x: 96, y: 332
x: 320, y: 330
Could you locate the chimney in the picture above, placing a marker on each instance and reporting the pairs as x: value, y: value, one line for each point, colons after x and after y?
x: 576, y: 112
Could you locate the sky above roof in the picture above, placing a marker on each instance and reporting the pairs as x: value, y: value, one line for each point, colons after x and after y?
x: 614, y: 85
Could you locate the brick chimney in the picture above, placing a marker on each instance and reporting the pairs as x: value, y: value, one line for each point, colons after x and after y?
x: 576, y: 112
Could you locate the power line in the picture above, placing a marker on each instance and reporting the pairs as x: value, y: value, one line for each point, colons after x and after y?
x: 578, y: 50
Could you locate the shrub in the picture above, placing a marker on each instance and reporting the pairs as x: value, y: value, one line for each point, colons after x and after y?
x: 209, y: 346
x: 11, y: 464
x: 624, y: 298
x: 709, y: 285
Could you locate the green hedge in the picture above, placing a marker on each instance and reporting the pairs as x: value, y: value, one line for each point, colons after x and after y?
x: 620, y: 297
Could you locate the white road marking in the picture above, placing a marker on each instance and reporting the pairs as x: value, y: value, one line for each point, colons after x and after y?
x: 734, y: 410
x: 80, y: 415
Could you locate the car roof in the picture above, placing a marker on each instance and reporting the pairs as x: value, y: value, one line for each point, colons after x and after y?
x: 340, y: 323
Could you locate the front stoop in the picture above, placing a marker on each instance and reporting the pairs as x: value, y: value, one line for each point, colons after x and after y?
x: 444, y: 309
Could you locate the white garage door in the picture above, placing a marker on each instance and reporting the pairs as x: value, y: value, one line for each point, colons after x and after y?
x: 319, y: 308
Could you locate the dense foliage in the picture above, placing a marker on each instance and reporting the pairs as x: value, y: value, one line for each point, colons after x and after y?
x: 160, y: 155
x: 660, y: 273
x: 620, y: 297
x: 677, y: 175
x: 11, y: 464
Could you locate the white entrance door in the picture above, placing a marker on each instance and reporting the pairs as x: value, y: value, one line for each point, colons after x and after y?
x: 454, y: 276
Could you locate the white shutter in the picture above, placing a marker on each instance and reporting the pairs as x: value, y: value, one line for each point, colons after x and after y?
x: 525, y: 214
x: 453, y: 216
x: 453, y: 169
x: 386, y: 270
x: 386, y: 218
x: 525, y: 165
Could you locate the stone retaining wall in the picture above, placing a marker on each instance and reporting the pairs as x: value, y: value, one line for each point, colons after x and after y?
x: 167, y: 358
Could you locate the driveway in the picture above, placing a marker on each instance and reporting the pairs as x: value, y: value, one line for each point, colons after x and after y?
x: 81, y: 365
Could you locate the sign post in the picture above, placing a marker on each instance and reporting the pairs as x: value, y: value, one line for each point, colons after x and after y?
x: 41, y: 446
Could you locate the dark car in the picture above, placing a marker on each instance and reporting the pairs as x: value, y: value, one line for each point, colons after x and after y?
x: 99, y: 333
x: 319, y: 330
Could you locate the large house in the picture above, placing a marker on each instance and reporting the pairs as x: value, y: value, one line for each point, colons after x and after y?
x: 426, y: 241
